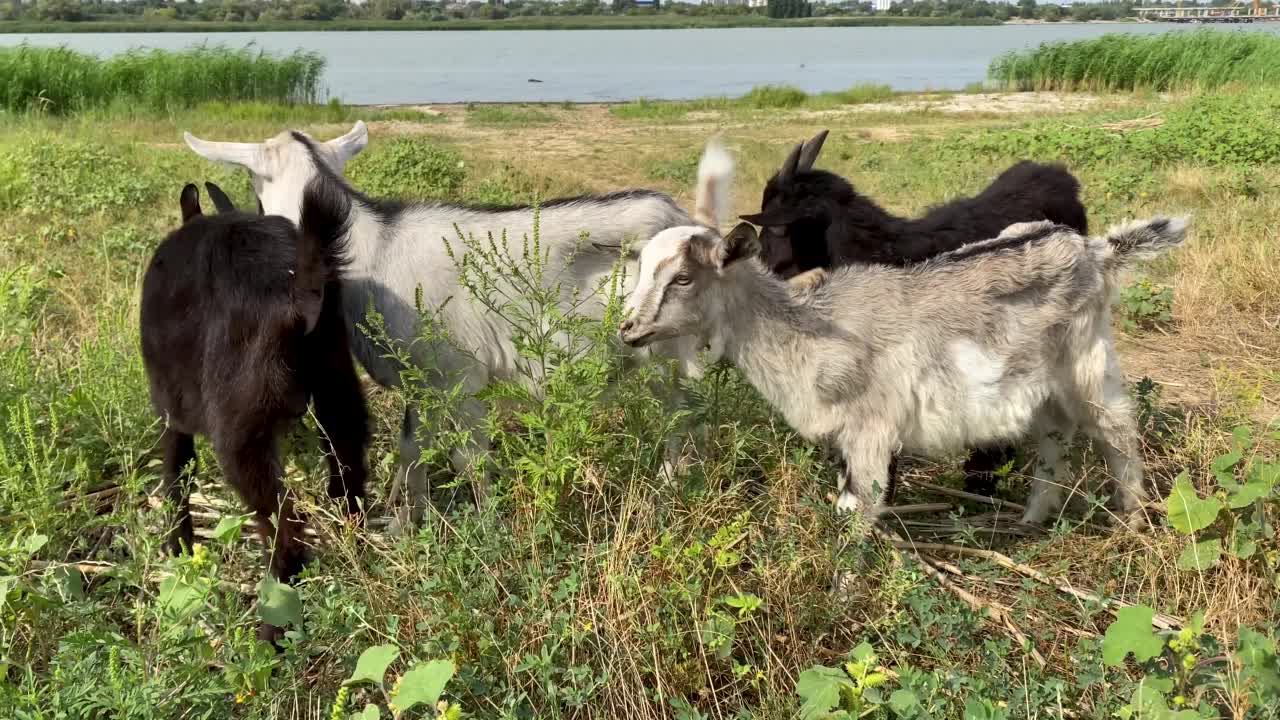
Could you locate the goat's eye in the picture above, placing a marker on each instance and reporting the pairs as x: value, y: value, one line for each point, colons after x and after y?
x: 683, y: 279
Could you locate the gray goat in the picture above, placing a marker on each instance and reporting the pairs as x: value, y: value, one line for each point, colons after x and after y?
x: 398, y: 249
x: 999, y: 339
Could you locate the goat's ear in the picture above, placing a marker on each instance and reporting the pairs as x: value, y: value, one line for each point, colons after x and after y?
x: 349, y: 145
x: 773, y: 217
x: 741, y: 242
x: 219, y: 198
x: 190, y: 202
x: 791, y: 164
x: 247, y: 155
x: 809, y: 151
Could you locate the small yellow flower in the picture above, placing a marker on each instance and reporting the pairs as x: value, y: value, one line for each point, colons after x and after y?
x: 240, y: 698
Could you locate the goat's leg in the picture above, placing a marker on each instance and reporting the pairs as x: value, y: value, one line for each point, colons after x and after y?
x: 474, y: 454
x: 867, y: 460
x: 1051, y: 469
x: 179, y: 451
x: 253, y: 467
x: 409, y: 495
x: 1112, y: 425
x: 344, y: 430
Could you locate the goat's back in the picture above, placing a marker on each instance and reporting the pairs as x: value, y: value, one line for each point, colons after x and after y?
x: 1026, y: 192
x: 1014, y: 292
x: 217, y: 320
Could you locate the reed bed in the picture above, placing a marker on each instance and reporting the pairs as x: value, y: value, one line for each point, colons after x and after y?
x: 61, y: 81
x: 1179, y: 60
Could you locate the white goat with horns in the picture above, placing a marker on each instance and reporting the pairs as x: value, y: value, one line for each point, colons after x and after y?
x: 999, y: 339
x: 395, y: 249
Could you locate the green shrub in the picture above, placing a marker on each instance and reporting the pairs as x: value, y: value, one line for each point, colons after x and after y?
x: 775, y: 96
x: 507, y: 115
x: 1146, y: 306
x: 1203, y: 59
x: 61, y: 81
x: 408, y: 168
x: 864, y: 93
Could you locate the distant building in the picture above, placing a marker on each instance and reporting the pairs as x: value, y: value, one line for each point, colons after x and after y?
x: 882, y: 5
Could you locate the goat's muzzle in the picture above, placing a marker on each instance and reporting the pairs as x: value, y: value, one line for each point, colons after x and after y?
x: 627, y: 331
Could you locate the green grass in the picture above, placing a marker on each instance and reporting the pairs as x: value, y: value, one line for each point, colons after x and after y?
x: 61, y: 81
x: 589, y: 587
x: 508, y: 115
x: 664, y: 21
x: 1198, y: 60
x: 763, y: 97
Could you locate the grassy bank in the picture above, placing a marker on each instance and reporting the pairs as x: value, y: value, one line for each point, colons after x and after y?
x: 1197, y: 60
x: 669, y: 21
x: 588, y: 587
x: 60, y: 81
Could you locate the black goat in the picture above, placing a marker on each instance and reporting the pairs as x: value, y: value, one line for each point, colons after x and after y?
x: 242, y: 326
x: 813, y: 219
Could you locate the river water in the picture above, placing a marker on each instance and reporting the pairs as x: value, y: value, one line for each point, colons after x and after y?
x: 608, y: 65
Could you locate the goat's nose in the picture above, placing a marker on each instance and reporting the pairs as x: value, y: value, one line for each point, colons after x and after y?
x: 626, y: 325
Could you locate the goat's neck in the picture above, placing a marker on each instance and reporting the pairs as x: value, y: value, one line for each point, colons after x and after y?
x: 861, y: 213
x: 364, y: 237
x: 758, y: 325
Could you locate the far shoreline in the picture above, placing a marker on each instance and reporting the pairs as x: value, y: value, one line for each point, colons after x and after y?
x: 583, y: 22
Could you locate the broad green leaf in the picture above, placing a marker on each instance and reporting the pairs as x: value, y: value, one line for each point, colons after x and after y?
x: 180, y: 597
x: 422, y: 685
x: 903, y: 701
x: 228, y: 529
x: 1244, y: 548
x: 70, y: 583
x: 744, y: 602
x: 1187, y: 511
x: 1131, y: 633
x: 1247, y: 494
x: 1242, y: 436
x: 34, y: 543
x: 717, y: 633
x: 820, y: 688
x: 864, y: 653
x: 7, y: 584
x: 372, y: 665
x: 1201, y: 556
x: 371, y: 712
x: 278, y: 604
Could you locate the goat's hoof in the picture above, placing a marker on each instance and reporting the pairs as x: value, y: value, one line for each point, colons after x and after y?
x: 1133, y: 520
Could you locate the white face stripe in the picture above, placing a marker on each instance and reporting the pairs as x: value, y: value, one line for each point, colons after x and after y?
x: 664, y: 252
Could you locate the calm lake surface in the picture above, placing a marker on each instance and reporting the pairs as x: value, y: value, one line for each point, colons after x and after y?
x: 606, y: 65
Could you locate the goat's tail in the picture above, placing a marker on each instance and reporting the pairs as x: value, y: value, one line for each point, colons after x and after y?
x: 1140, y: 240
x: 715, y: 181
x: 321, y: 246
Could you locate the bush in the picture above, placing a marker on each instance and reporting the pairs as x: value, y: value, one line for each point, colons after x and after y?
x: 1203, y: 59
x: 775, y: 96
x: 62, y: 81
x: 408, y: 168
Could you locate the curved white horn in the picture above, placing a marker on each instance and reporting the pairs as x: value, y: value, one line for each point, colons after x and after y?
x: 352, y: 143
x: 248, y: 155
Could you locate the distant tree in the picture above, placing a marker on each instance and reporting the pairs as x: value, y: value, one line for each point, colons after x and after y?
x: 59, y: 10
x: 1051, y: 13
x: 1027, y: 9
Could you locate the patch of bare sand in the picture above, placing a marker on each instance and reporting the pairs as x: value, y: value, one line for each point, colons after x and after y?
x: 1007, y: 103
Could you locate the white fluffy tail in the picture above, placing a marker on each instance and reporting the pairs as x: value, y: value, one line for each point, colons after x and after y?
x: 715, y: 180
x: 1144, y: 239
x: 1139, y: 240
